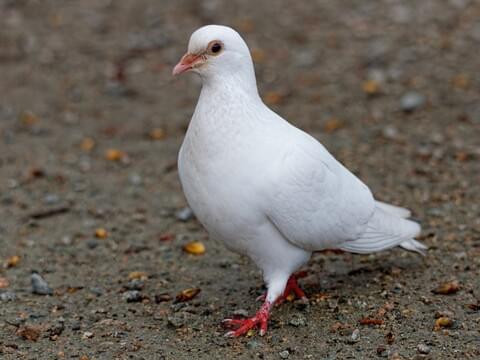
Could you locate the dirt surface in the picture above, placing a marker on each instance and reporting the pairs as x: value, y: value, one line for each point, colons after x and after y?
x: 81, y: 77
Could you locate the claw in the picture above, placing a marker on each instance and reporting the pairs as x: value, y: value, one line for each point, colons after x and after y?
x: 261, y: 297
x: 260, y: 320
x: 230, y: 334
x: 304, y: 300
x: 244, y: 325
x: 232, y: 323
x: 263, y: 328
x: 293, y: 288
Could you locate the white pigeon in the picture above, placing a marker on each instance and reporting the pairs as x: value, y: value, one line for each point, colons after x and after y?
x: 267, y: 189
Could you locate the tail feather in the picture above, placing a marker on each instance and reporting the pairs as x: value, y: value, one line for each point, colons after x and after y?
x: 394, y: 210
x: 386, y: 230
x: 414, y: 245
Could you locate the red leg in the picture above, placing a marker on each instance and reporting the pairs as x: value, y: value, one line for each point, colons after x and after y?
x: 242, y: 326
x: 292, y: 288
x: 260, y: 320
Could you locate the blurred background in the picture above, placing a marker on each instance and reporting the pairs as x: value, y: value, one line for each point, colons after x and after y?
x: 91, y: 121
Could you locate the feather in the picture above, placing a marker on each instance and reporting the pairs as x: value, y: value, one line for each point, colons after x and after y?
x: 385, y: 231
x: 395, y: 210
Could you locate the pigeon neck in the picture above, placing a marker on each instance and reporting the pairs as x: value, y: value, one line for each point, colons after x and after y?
x: 237, y: 85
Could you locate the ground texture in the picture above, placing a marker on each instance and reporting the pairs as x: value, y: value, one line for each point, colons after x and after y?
x: 90, y: 126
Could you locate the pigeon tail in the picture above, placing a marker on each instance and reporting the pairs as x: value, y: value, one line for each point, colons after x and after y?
x: 414, y: 245
x: 386, y: 230
x: 393, y: 209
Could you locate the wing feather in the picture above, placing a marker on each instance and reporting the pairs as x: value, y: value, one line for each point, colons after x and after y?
x: 314, y: 200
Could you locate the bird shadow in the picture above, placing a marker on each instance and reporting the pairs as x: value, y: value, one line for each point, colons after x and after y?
x: 342, y: 271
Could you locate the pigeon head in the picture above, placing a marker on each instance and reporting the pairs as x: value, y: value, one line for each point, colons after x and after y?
x: 216, y: 51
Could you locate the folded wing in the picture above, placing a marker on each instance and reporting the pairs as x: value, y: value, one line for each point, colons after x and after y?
x: 316, y: 203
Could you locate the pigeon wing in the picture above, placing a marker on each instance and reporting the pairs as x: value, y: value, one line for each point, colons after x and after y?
x: 313, y: 200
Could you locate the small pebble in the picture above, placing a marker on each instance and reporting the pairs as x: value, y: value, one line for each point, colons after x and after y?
x: 178, y: 306
x: 165, y: 297
x: 66, y: 240
x: 70, y: 118
x: 179, y: 320
x: 355, y: 335
x: 252, y: 344
x: 411, y: 101
x: 39, y: 285
x: 136, y: 284
x: 423, y: 349
x: 12, y: 183
x: 184, y: 214
x: 297, y: 321
x: 437, y: 138
x: 51, y: 199
x: 135, y: 179
x: 284, y: 354
x: 241, y: 312
x: 444, y: 313
x: 92, y: 244
x: 84, y: 165
x: 115, y: 88
x: 57, y: 328
x: 377, y: 75
x: 382, y: 351
x: 87, y: 335
x: 98, y: 291
x: 390, y: 132
x: 8, y: 296
x: 305, y: 58
x: 75, y: 325
x: 133, y: 296
x: 225, y: 263
x: 426, y: 300
x: 17, y: 321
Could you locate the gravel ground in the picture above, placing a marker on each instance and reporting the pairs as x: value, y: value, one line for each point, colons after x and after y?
x: 90, y: 126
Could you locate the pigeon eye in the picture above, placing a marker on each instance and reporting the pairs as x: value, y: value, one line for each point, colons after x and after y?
x: 216, y: 47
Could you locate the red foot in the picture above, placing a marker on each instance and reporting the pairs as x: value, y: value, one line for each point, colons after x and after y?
x: 242, y: 326
x: 292, y: 288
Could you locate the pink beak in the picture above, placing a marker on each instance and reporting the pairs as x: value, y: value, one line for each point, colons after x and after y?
x: 186, y: 63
